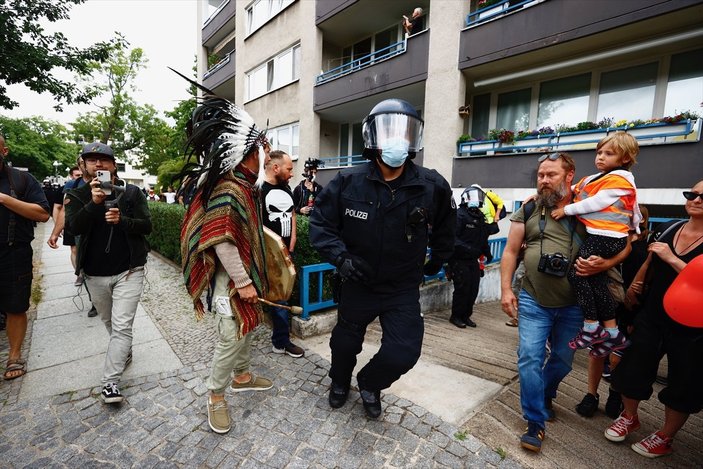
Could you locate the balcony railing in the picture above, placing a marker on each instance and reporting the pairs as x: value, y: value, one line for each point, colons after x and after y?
x: 342, y: 161
x: 224, y: 61
x: 363, y: 62
x: 649, y: 134
x: 498, y: 9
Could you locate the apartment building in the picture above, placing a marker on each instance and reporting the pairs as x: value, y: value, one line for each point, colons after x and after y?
x: 312, y: 69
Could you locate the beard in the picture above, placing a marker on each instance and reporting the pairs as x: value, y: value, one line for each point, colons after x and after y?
x: 549, y: 198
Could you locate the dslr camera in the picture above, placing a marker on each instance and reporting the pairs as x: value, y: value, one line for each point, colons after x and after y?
x: 553, y: 264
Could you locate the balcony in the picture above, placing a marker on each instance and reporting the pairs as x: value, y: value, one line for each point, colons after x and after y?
x: 220, y: 77
x: 393, y: 67
x: 219, y: 25
x: 497, y: 10
x: 554, y: 29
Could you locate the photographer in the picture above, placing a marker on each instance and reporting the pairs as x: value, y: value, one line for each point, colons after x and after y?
x: 306, y: 192
x: 546, y: 305
x: 112, y: 221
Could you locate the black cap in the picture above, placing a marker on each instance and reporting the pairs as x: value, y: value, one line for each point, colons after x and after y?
x: 97, y: 148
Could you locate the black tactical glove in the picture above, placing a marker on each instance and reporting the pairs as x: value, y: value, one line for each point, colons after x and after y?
x: 432, y: 266
x: 353, y: 268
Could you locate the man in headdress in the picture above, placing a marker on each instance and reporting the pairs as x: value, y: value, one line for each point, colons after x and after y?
x: 222, y: 244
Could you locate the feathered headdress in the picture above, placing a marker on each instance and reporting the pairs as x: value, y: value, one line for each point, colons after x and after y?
x: 220, y: 135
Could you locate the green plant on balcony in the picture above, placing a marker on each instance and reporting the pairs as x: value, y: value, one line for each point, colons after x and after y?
x: 502, y: 135
x: 465, y: 138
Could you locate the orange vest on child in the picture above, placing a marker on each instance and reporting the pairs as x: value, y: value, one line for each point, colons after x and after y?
x: 617, y: 217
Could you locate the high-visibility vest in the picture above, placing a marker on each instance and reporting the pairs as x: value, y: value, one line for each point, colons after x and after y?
x: 616, y: 217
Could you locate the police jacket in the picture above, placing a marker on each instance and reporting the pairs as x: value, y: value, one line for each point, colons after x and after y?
x: 360, y: 213
x: 82, y: 215
x: 471, y: 234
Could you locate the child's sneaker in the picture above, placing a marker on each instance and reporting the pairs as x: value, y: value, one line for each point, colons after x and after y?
x: 622, y: 426
x: 585, y: 339
x: 613, y: 406
x: 533, y: 437
x: 654, y: 445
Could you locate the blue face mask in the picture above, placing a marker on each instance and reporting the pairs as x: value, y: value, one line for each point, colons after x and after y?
x: 395, y: 152
x: 473, y: 203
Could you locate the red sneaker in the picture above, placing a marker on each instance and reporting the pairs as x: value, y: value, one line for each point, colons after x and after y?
x: 655, y: 445
x: 621, y: 427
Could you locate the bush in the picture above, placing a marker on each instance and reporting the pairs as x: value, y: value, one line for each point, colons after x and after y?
x: 165, y: 237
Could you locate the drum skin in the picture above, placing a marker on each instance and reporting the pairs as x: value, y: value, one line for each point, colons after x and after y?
x: 683, y: 301
x: 280, y: 270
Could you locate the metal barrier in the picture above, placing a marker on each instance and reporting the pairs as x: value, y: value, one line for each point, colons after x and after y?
x: 497, y: 9
x: 310, y: 305
x: 343, y: 161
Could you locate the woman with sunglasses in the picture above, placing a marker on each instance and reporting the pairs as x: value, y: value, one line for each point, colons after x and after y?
x: 657, y: 334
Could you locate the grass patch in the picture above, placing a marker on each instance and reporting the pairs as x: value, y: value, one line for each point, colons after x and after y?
x: 460, y: 435
x: 36, y: 291
x: 501, y: 452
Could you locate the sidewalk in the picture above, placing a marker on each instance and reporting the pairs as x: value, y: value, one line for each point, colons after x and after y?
x: 53, y: 417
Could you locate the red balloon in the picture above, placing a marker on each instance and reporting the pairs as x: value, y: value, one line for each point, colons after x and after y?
x: 683, y: 301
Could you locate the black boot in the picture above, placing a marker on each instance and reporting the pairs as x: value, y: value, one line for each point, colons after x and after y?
x: 372, y: 403
x: 614, y: 405
x: 457, y: 322
x: 338, y: 395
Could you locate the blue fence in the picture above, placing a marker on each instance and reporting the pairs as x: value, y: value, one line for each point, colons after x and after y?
x: 496, y: 10
x: 315, y: 274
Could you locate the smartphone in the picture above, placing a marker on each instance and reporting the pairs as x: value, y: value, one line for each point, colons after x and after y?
x: 104, y: 176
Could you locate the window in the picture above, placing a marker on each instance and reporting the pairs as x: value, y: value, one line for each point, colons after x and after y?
x: 286, y: 138
x: 685, y: 86
x: 514, y: 110
x: 564, y: 100
x: 634, y: 86
x: 210, y: 7
x: 263, y: 10
x: 481, y: 112
x: 276, y: 73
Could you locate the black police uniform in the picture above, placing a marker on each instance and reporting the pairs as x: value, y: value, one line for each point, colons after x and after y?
x: 389, y: 225
x: 470, y: 244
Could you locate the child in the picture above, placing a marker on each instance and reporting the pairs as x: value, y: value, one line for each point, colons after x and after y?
x: 606, y: 204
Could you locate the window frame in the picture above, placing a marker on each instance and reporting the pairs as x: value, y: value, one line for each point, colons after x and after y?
x: 270, y: 66
x: 271, y: 14
x: 294, y: 131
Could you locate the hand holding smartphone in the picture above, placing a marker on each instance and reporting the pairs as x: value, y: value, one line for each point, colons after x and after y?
x: 104, y: 176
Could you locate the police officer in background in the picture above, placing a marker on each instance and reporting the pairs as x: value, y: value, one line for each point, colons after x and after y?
x: 471, y: 243
x: 374, y: 222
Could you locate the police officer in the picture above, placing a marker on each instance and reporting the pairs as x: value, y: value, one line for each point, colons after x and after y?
x: 374, y: 222
x: 471, y: 243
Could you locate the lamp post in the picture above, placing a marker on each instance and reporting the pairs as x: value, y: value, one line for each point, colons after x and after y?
x: 56, y: 168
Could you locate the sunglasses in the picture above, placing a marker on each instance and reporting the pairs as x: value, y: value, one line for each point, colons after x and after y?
x: 692, y: 195
x: 551, y: 156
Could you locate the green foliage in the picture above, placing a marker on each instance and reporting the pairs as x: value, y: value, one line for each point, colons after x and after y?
x: 465, y: 138
x: 460, y: 435
x: 167, y: 173
x: 31, y: 56
x: 586, y: 125
x: 35, y: 143
x: 502, y: 135
x: 165, y: 237
x: 501, y: 452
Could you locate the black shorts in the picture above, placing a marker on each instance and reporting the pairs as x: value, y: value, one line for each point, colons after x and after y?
x: 637, y: 370
x: 15, y: 278
x: 68, y: 238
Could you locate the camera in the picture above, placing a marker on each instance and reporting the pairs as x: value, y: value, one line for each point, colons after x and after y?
x: 553, y: 264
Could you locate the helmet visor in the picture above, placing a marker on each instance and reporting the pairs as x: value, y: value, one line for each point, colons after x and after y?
x: 383, y: 128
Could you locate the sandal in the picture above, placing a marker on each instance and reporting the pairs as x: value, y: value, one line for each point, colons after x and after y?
x: 585, y: 339
x: 512, y: 322
x: 13, y: 366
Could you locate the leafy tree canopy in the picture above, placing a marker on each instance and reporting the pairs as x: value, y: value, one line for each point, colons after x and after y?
x: 29, y: 55
x: 35, y: 143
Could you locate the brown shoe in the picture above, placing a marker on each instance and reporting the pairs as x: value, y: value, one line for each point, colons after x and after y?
x: 218, y: 416
x: 512, y: 322
x: 256, y: 383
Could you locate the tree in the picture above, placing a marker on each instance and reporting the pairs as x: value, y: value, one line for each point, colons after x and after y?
x: 30, y: 56
x: 35, y: 143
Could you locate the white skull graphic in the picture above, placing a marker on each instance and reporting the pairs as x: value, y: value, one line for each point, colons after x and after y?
x: 279, y: 206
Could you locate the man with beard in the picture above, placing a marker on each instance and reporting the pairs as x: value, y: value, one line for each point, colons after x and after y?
x: 546, y: 304
x: 280, y: 218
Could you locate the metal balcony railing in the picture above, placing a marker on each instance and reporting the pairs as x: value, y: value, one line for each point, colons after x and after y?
x: 497, y: 9
x: 363, y: 62
x: 342, y: 161
x: 224, y: 61
x: 649, y: 134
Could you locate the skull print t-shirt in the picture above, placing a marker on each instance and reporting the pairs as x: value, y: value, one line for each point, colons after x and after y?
x: 278, y: 210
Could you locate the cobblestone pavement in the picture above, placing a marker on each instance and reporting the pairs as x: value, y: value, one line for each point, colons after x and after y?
x: 162, y: 422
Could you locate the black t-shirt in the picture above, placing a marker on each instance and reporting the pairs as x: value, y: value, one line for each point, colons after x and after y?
x: 27, y: 189
x: 278, y: 210
x: 100, y: 263
x: 415, y: 25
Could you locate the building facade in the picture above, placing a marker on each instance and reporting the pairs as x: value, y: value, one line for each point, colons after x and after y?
x: 550, y: 71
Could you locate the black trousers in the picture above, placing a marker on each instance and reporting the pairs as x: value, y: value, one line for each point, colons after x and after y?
x: 466, y: 276
x: 402, y: 327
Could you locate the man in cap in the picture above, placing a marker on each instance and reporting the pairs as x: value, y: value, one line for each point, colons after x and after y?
x: 113, y: 222
x: 374, y: 222
x: 306, y: 192
x: 22, y: 202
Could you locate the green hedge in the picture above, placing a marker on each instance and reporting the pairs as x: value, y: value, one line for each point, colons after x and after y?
x: 165, y: 238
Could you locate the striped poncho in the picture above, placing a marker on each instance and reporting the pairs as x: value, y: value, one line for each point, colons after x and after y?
x: 233, y: 214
